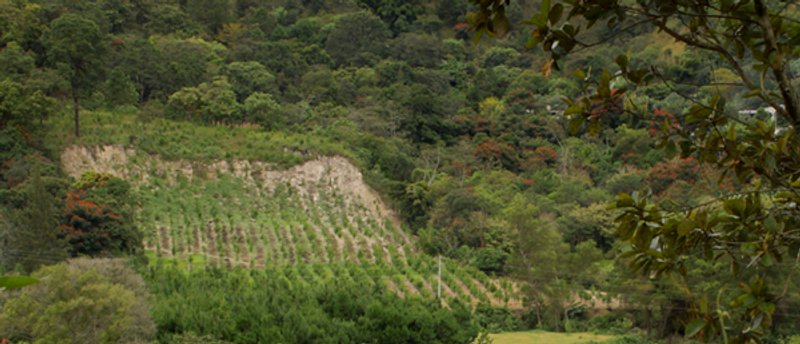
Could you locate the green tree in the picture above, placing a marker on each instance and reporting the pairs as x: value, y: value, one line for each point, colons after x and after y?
x: 219, y: 102
x: 186, y: 63
x: 15, y: 63
x: 119, y: 89
x: 75, y: 45
x: 397, y: 14
x: 595, y: 222
x: 357, y: 38
x: 22, y: 97
x: 754, y: 230
x: 248, y: 77
x: 81, y: 301
x: 450, y: 11
x: 211, y: 13
x: 213, y: 102
x: 556, y: 277
x: 140, y: 62
x: 537, y: 259
x: 30, y: 238
x: 98, y: 217
x: 263, y: 109
x: 12, y: 106
x: 184, y: 104
x: 418, y: 50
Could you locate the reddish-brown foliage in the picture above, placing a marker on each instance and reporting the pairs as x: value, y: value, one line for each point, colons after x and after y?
x: 663, y: 174
x: 86, y: 225
x: 662, y: 119
x: 492, y: 151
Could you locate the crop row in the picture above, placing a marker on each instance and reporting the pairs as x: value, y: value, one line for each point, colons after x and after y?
x: 315, y: 232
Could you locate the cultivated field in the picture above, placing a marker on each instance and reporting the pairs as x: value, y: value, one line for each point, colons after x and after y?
x: 313, y: 222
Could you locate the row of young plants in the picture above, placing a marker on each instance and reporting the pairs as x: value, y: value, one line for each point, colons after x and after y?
x: 288, y: 230
x: 417, y: 278
x: 227, y: 223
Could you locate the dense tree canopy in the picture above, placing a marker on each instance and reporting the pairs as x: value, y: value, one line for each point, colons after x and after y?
x: 751, y: 229
x: 499, y: 154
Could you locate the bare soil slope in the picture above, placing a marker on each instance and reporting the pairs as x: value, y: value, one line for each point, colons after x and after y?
x: 334, y: 172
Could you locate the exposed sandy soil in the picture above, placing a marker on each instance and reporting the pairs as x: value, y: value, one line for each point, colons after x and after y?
x: 334, y: 172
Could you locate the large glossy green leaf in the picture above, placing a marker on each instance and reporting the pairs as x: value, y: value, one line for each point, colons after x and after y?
x: 685, y: 227
x: 695, y: 327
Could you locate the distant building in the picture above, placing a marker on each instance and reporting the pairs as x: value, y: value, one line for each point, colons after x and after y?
x: 771, y: 111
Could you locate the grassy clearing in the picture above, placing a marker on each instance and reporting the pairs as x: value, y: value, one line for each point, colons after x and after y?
x: 185, y: 140
x: 543, y: 337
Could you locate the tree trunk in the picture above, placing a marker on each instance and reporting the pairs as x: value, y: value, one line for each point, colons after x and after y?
x: 76, y: 108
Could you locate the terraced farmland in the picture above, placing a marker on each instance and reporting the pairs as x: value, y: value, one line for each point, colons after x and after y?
x: 310, y: 223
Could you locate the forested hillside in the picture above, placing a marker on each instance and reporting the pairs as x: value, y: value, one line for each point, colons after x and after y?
x: 289, y: 171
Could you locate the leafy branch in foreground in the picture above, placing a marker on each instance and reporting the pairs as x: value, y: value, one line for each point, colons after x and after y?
x: 755, y: 233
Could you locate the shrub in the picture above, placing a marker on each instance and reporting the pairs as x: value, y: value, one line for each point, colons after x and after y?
x: 610, y: 323
x: 490, y: 259
x: 494, y: 319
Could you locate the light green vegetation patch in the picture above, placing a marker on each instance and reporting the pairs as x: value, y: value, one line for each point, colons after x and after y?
x: 189, y: 141
x: 543, y: 337
x: 310, y: 226
x: 236, y: 222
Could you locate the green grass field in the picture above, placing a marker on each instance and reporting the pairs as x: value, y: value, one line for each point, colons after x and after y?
x: 192, y: 141
x: 543, y: 337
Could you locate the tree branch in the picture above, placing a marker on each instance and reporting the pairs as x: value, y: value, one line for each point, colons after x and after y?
x: 790, y: 100
x: 660, y: 22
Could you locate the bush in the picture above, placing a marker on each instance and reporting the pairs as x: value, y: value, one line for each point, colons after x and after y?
x: 191, y: 338
x: 610, y: 323
x: 632, y: 339
x: 493, y: 319
x: 490, y: 259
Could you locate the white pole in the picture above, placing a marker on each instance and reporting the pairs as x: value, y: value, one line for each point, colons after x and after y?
x: 439, y: 289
